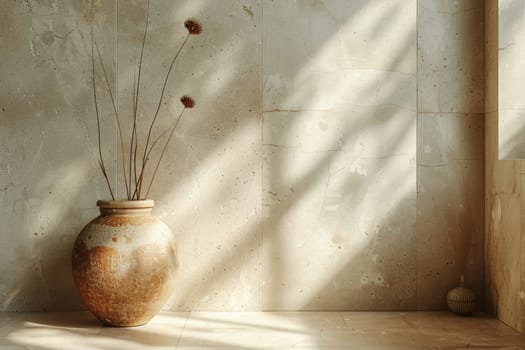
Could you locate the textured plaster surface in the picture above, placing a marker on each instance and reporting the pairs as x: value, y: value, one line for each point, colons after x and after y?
x: 48, y: 161
x: 208, y: 189
x: 339, y: 133
x: 450, y: 74
x: 450, y: 206
x: 450, y: 149
x: 293, y: 184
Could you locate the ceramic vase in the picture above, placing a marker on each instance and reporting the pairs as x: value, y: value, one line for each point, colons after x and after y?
x: 125, y: 263
x: 461, y: 300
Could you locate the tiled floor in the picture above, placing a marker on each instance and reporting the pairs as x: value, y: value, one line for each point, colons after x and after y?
x: 269, y: 330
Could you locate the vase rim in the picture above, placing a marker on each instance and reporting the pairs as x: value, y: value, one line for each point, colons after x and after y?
x: 126, y: 204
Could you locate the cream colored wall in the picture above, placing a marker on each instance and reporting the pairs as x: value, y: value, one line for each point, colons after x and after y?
x: 450, y: 148
x: 48, y: 165
x: 339, y: 148
x: 332, y: 161
x: 504, y: 206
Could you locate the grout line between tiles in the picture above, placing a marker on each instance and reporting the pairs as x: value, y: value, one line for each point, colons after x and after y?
x: 182, y: 331
x: 453, y: 113
x: 261, y: 206
x: 483, y: 153
x: 417, y: 159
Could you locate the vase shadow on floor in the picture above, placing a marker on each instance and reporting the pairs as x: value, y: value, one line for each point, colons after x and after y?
x: 82, y: 319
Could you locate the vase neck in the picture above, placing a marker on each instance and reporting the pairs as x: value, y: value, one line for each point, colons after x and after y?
x: 124, y: 211
x: 125, y: 207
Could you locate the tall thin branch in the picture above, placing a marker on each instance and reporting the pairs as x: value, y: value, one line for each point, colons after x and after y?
x: 135, y: 165
x: 157, y: 139
x: 137, y: 91
x: 159, y: 104
x: 134, y: 145
x: 135, y: 161
x: 133, y: 133
x: 162, y: 153
x: 166, y: 78
x: 101, y: 159
x: 116, y: 117
x: 194, y: 28
x: 136, y: 99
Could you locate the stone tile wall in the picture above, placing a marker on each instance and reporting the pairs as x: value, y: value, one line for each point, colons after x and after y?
x: 333, y: 160
x: 450, y: 148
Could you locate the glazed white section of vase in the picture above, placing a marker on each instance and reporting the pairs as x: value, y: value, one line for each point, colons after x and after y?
x: 125, y: 263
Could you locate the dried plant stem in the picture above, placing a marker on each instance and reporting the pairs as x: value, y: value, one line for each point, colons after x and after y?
x: 159, y: 104
x: 164, y: 150
x: 116, y: 117
x: 131, y: 173
x: 158, y: 138
x: 137, y: 91
x: 174, y: 124
x: 101, y: 159
x: 134, y: 137
x: 135, y: 164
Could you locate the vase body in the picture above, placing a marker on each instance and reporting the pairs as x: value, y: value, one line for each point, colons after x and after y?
x: 125, y: 263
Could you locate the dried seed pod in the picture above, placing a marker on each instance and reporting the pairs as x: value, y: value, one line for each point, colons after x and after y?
x: 187, y: 101
x: 193, y: 26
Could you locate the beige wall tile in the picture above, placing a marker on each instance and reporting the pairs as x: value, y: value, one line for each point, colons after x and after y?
x: 208, y: 189
x: 355, y: 247
x: 491, y: 55
x: 450, y: 73
x: 48, y: 155
x: 321, y: 55
x: 354, y: 130
x: 339, y: 131
x: 443, y: 138
x: 450, y: 240
x: 212, y: 166
x: 450, y: 148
